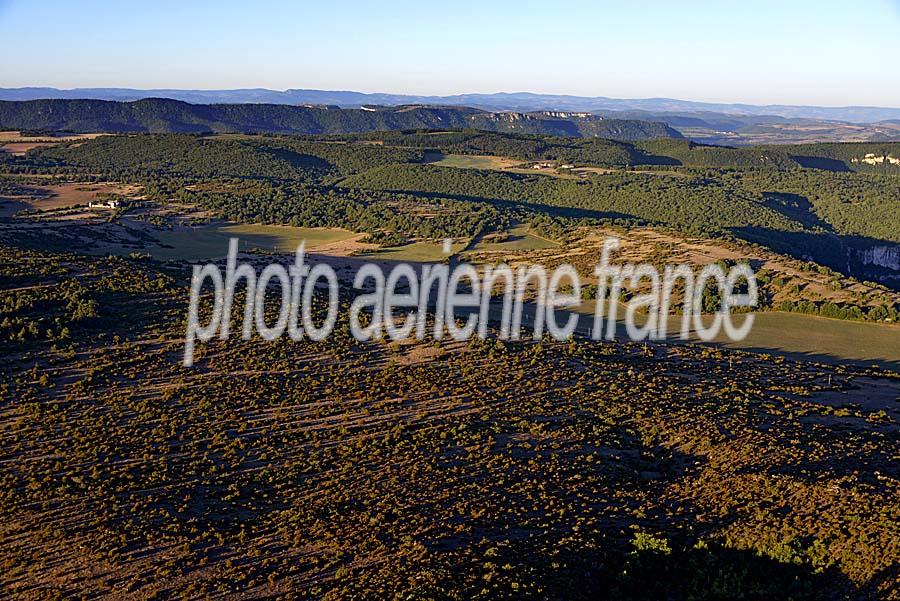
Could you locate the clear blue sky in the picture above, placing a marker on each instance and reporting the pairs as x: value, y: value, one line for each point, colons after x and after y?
x: 785, y: 51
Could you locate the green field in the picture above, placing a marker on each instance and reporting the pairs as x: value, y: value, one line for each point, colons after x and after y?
x: 519, y: 238
x: 791, y: 335
x: 212, y: 241
x: 417, y: 252
x: 822, y: 339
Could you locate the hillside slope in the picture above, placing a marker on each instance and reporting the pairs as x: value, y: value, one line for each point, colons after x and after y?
x: 157, y: 115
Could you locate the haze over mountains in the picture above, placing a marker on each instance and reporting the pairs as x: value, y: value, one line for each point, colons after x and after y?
x: 503, y: 101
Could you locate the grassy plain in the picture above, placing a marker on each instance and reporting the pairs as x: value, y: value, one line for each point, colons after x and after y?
x: 510, y: 165
x: 794, y: 335
x: 15, y: 143
x: 518, y: 238
x: 416, y: 252
x: 211, y: 241
x: 823, y: 339
x: 469, y: 161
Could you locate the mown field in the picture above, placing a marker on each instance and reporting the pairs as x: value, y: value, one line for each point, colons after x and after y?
x: 795, y: 336
x: 419, y: 252
x: 823, y: 339
x: 517, y: 238
x: 463, y: 161
x: 211, y: 242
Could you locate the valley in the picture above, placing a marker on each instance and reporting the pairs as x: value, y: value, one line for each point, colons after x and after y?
x: 394, y: 301
x: 443, y: 469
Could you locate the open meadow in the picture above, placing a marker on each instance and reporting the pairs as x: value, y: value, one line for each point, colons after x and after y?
x: 211, y: 241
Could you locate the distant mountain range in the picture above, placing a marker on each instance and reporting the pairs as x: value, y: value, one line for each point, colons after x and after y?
x: 160, y: 115
x: 520, y: 102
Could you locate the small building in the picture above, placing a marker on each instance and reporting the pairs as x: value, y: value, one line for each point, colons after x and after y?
x: 109, y: 204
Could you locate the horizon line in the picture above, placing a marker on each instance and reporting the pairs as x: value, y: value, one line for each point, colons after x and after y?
x: 453, y: 95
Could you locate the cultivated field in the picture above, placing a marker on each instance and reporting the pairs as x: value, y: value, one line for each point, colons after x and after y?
x: 211, y: 241
x: 518, y: 238
x: 802, y: 337
x: 467, y: 161
x: 60, y: 196
x: 417, y: 252
x: 15, y: 143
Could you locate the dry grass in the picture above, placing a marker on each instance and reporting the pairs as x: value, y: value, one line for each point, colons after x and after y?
x: 20, y: 148
x: 61, y: 196
x: 14, y: 143
x: 466, y: 161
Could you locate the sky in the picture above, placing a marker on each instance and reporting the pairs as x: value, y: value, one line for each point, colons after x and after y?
x: 822, y: 52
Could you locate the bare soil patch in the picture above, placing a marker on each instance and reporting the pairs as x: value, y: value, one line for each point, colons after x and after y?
x: 48, y: 198
x: 20, y: 148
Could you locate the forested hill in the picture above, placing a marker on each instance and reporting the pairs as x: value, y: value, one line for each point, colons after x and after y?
x: 158, y: 115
